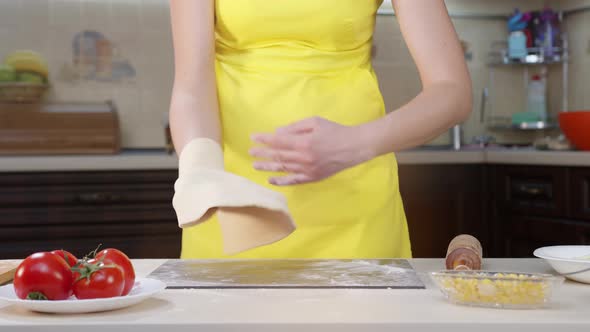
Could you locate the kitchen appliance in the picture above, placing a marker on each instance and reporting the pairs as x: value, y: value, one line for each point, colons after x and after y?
x: 59, y: 128
x: 7, y: 270
x: 288, y: 273
x: 576, y: 127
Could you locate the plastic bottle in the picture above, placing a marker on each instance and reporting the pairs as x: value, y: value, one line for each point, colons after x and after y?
x: 517, y: 45
x: 537, y: 100
x: 464, y: 253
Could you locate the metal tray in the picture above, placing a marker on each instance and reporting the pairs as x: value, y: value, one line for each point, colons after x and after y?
x: 289, y: 273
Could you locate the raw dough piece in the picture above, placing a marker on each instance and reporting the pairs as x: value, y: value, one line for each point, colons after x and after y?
x: 250, y: 215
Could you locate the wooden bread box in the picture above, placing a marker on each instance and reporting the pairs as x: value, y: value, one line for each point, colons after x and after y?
x: 59, y: 128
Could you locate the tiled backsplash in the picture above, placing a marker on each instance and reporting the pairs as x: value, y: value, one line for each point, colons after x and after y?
x: 139, y: 71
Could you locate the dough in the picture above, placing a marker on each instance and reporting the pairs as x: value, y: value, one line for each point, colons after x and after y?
x: 250, y: 215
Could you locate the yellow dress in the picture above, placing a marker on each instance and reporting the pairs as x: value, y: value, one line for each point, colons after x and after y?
x: 278, y: 62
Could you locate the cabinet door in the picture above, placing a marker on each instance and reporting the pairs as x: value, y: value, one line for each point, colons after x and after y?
x: 78, y: 211
x: 442, y: 201
x: 532, y: 190
x: 522, y: 235
x: 580, y: 193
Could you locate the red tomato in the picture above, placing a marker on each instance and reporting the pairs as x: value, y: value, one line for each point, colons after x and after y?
x: 117, y: 257
x: 43, y: 276
x: 67, y: 256
x: 98, y: 280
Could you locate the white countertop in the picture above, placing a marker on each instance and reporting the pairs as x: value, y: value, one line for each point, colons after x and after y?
x: 159, y: 160
x: 319, y: 310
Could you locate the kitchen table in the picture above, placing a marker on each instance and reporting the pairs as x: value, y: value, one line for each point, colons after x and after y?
x: 319, y: 309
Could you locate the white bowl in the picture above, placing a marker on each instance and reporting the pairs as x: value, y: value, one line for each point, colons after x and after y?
x: 573, y: 262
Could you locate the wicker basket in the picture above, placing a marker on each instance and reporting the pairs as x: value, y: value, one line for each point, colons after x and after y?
x: 21, y: 92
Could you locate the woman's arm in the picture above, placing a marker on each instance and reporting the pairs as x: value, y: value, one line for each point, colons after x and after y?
x: 445, y: 99
x: 194, y: 109
x: 315, y: 148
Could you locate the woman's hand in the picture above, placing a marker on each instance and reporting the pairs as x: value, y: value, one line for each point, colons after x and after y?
x: 309, y: 150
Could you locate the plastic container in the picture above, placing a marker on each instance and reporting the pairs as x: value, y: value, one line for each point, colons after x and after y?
x: 574, y: 125
x: 510, y: 290
x: 537, y: 97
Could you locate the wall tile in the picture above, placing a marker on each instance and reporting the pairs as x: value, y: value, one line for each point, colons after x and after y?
x: 95, y: 14
x: 10, y: 13
x: 65, y: 13
x: 124, y: 16
x: 34, y: 14
x: 155, y: 14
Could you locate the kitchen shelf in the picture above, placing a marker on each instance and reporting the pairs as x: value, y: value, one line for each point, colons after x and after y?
x: 539, y: 125
x: 535, y: 56
x: 505, y: 123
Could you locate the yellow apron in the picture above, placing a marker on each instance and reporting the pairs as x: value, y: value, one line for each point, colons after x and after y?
x: 278, y: 62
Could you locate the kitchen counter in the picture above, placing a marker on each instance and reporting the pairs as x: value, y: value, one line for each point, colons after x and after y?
x: 158, y: 159
x: 319, y: 310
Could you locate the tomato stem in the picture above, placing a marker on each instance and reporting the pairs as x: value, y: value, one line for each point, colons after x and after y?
x: 36, y: 296
x: 86, y: 269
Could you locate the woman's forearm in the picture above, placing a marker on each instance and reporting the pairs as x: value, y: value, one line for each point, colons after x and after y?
x: 193, y: 114
x: 446, y: 96
x: 194, y: 109
x: 436, y: 109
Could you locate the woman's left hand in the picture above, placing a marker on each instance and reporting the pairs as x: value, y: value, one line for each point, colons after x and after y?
x: 309, y: 150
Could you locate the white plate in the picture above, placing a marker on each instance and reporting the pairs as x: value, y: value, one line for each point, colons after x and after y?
x: 143, y: 289
x: 568, y: 261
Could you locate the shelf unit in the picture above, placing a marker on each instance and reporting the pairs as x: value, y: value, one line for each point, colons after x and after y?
x: 536, y: 57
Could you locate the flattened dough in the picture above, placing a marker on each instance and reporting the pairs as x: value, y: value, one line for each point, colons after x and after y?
x: 250, y: 215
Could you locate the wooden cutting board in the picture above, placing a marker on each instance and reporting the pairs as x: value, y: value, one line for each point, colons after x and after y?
x: 7, y: 270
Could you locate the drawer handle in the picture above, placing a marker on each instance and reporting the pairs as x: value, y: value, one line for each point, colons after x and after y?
x: 532, y: 190
x: 98, y: 197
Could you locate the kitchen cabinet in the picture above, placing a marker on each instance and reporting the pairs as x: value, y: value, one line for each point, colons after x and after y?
x: 525, y: 234
x: 77, y: 211
x: 442, y: 201
x: 511, y: 209
x: 131, y: 210
x: 532, y: 190
x: 580, y: 193
x: 538, y: 206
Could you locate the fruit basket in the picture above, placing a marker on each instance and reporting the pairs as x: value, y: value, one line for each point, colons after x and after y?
x: 24, y: 77
x: 22, y: 92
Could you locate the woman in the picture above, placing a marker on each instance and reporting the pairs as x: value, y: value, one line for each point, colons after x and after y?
x: 288, y: 89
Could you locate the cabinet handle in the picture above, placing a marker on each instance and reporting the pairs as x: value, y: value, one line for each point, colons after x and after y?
x: 98, y: 197
x: 531, y: 190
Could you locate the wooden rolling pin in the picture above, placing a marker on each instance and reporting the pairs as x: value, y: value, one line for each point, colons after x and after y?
x: 464, y: 253
x: 7, y: 270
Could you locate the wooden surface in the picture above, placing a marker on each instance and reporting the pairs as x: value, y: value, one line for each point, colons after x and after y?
x: 7, y: 270
x: 442, y: 201
x: 77, y: 211
x: 580, y: 193
x: 58, y: 129
x: 537, y: 206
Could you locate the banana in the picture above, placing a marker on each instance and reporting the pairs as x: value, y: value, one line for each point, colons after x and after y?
x: 28, y: 61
